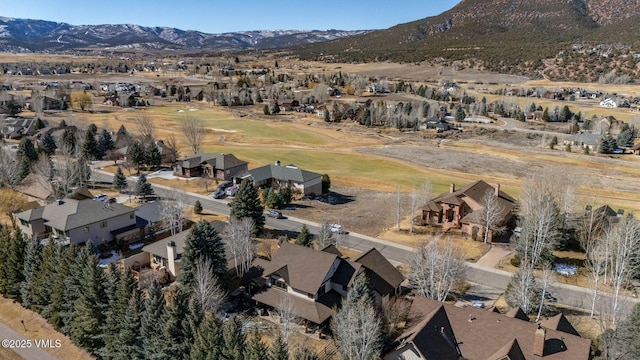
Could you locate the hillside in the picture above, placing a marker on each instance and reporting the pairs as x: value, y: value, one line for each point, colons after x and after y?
x: 25, y: 35
x: 512, y: 36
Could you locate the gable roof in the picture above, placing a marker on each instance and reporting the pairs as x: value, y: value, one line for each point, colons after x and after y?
x: 72, y: 214
x: 433, y: 336
x: 560, y: 323
x: 305, y: 267
x: 159, y: 248
x: 383, y: 276
x: 284, y: 173
x: 585, y: 138
x: 219, y: 161
x: 517, y: 313
x: 482, y: 334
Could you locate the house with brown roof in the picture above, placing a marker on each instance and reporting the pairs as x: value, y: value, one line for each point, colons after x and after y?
x: 316, y: 281
x: 457, y: 209
x: 218, y: 166
x: 439, y: 331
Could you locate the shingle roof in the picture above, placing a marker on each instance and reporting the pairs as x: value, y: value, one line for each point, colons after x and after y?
x: 482, y: 334
x: 72, y: 214
x: 283, y: 173
x: 517, y: 313
x: 314, y: 311
x: 510, y: 351
x: 383, y: 276
x: 219, y: 161
x: 159, y: 248
x: 585, y: 138
x: 560, y: 323
x: 306, y: 268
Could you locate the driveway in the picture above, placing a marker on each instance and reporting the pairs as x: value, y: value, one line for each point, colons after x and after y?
x: 494, y: 255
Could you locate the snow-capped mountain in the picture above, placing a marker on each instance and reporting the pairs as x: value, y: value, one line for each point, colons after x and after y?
x: 26, y: 35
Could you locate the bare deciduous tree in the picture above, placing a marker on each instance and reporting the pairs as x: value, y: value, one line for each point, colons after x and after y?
x: 238, y: 236
x: 172, y: 211
x: 437, y: 269
x: 325, y: 236
x: 490, y: 214
x: 9, y: 168
x: 206, y: 288
x: 193, y: 131
x: 285, y: 312
x: 523, y: 290
x: 398, y: 207
x: 172, y: 144
x: 595, y: 264
x: 624, y: 240
x: 146, y: 128
x: 415, y: 204
x: 547, y: 279
x: 539, y: 220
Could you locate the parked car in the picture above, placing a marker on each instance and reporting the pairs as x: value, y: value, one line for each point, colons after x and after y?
x: 336, y: 229
x: 550, y: 298
x: 231, y: 191
x: 100, y: 197
x: 110, y: 200
x: 223, y: 186
x: 218, y: 194
x: 478, y: 304
x: 274, y: 214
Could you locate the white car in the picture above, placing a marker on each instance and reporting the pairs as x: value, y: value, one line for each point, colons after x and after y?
x: 336, y: 229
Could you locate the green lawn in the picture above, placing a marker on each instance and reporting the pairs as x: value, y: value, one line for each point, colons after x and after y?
x: 217, y: 119
x: 360, y: 170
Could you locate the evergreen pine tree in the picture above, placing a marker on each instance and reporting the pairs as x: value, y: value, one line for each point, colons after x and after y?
x: 153, y: 158
x: 545, y: 115
x: 137, y: 155
x: 120, y: 180
x: 122, y: 130
x: 233, y: 340
x: 276, y: 108
x: 304, y: 237
x: 203, y: 242
x: 197, y: 207
x: 173, y: 328
x: 279, y: 349
x: 265, y: 110
x: 90, y: 146
x: 44, y: 277
x: 85, y: 328
x: 27, y: 150
x: 12, y: 253
x: 628, y: 336
x: 255, y: 349
x: 31, y: 267
x: 48, y: 144
x: 326, y: 183
x: 105, y: 142
x: 143, y: 188
x: 39, y: 124
x: 129, y: 340
x: 63, y: 261
x: 208, y: 342
x: 152, y: 315
x: 285, y: 196
x: 247, y: 204
x: 73, y: 285
x: 68, y: 141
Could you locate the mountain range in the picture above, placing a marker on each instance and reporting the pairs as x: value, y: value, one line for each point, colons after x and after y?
x: 504, y: 35
x: 25, y: 35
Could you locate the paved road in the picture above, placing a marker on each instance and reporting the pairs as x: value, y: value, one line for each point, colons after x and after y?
x: 398, y: 254
x: 31, y: 353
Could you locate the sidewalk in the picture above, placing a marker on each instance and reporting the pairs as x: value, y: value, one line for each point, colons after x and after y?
x: 31, y: 353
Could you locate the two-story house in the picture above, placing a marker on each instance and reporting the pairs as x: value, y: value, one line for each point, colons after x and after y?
x: 316, y: 281
x: 78, y: 221
x: 217, y: 166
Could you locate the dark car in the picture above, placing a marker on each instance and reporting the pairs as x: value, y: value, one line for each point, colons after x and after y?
x: 218, y: 194
x: 274, y: 214
x: 223, y: 186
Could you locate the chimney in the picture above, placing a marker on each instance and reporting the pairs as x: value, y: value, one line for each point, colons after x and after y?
x: 277, y: 162
x: 452, y: 188
x: 171, y: 257
x: 538, y: 341
x: 497, y: 190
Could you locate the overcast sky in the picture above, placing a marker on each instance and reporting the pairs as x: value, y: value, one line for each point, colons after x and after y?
x: 212, y: 16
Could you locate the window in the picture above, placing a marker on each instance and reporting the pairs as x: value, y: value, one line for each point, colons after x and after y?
x: 280, y: 284
x: 322, y: 290
x: 24, y: 222
x: 86, y: 229
x: 132, y: 216
x: 103, y: 224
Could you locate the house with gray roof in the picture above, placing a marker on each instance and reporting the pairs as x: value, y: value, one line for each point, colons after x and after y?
x: 277, y: 176
x: 217, y: 166
x: 583, y: 139
x: 77, y: 221
x: 316, y: 281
